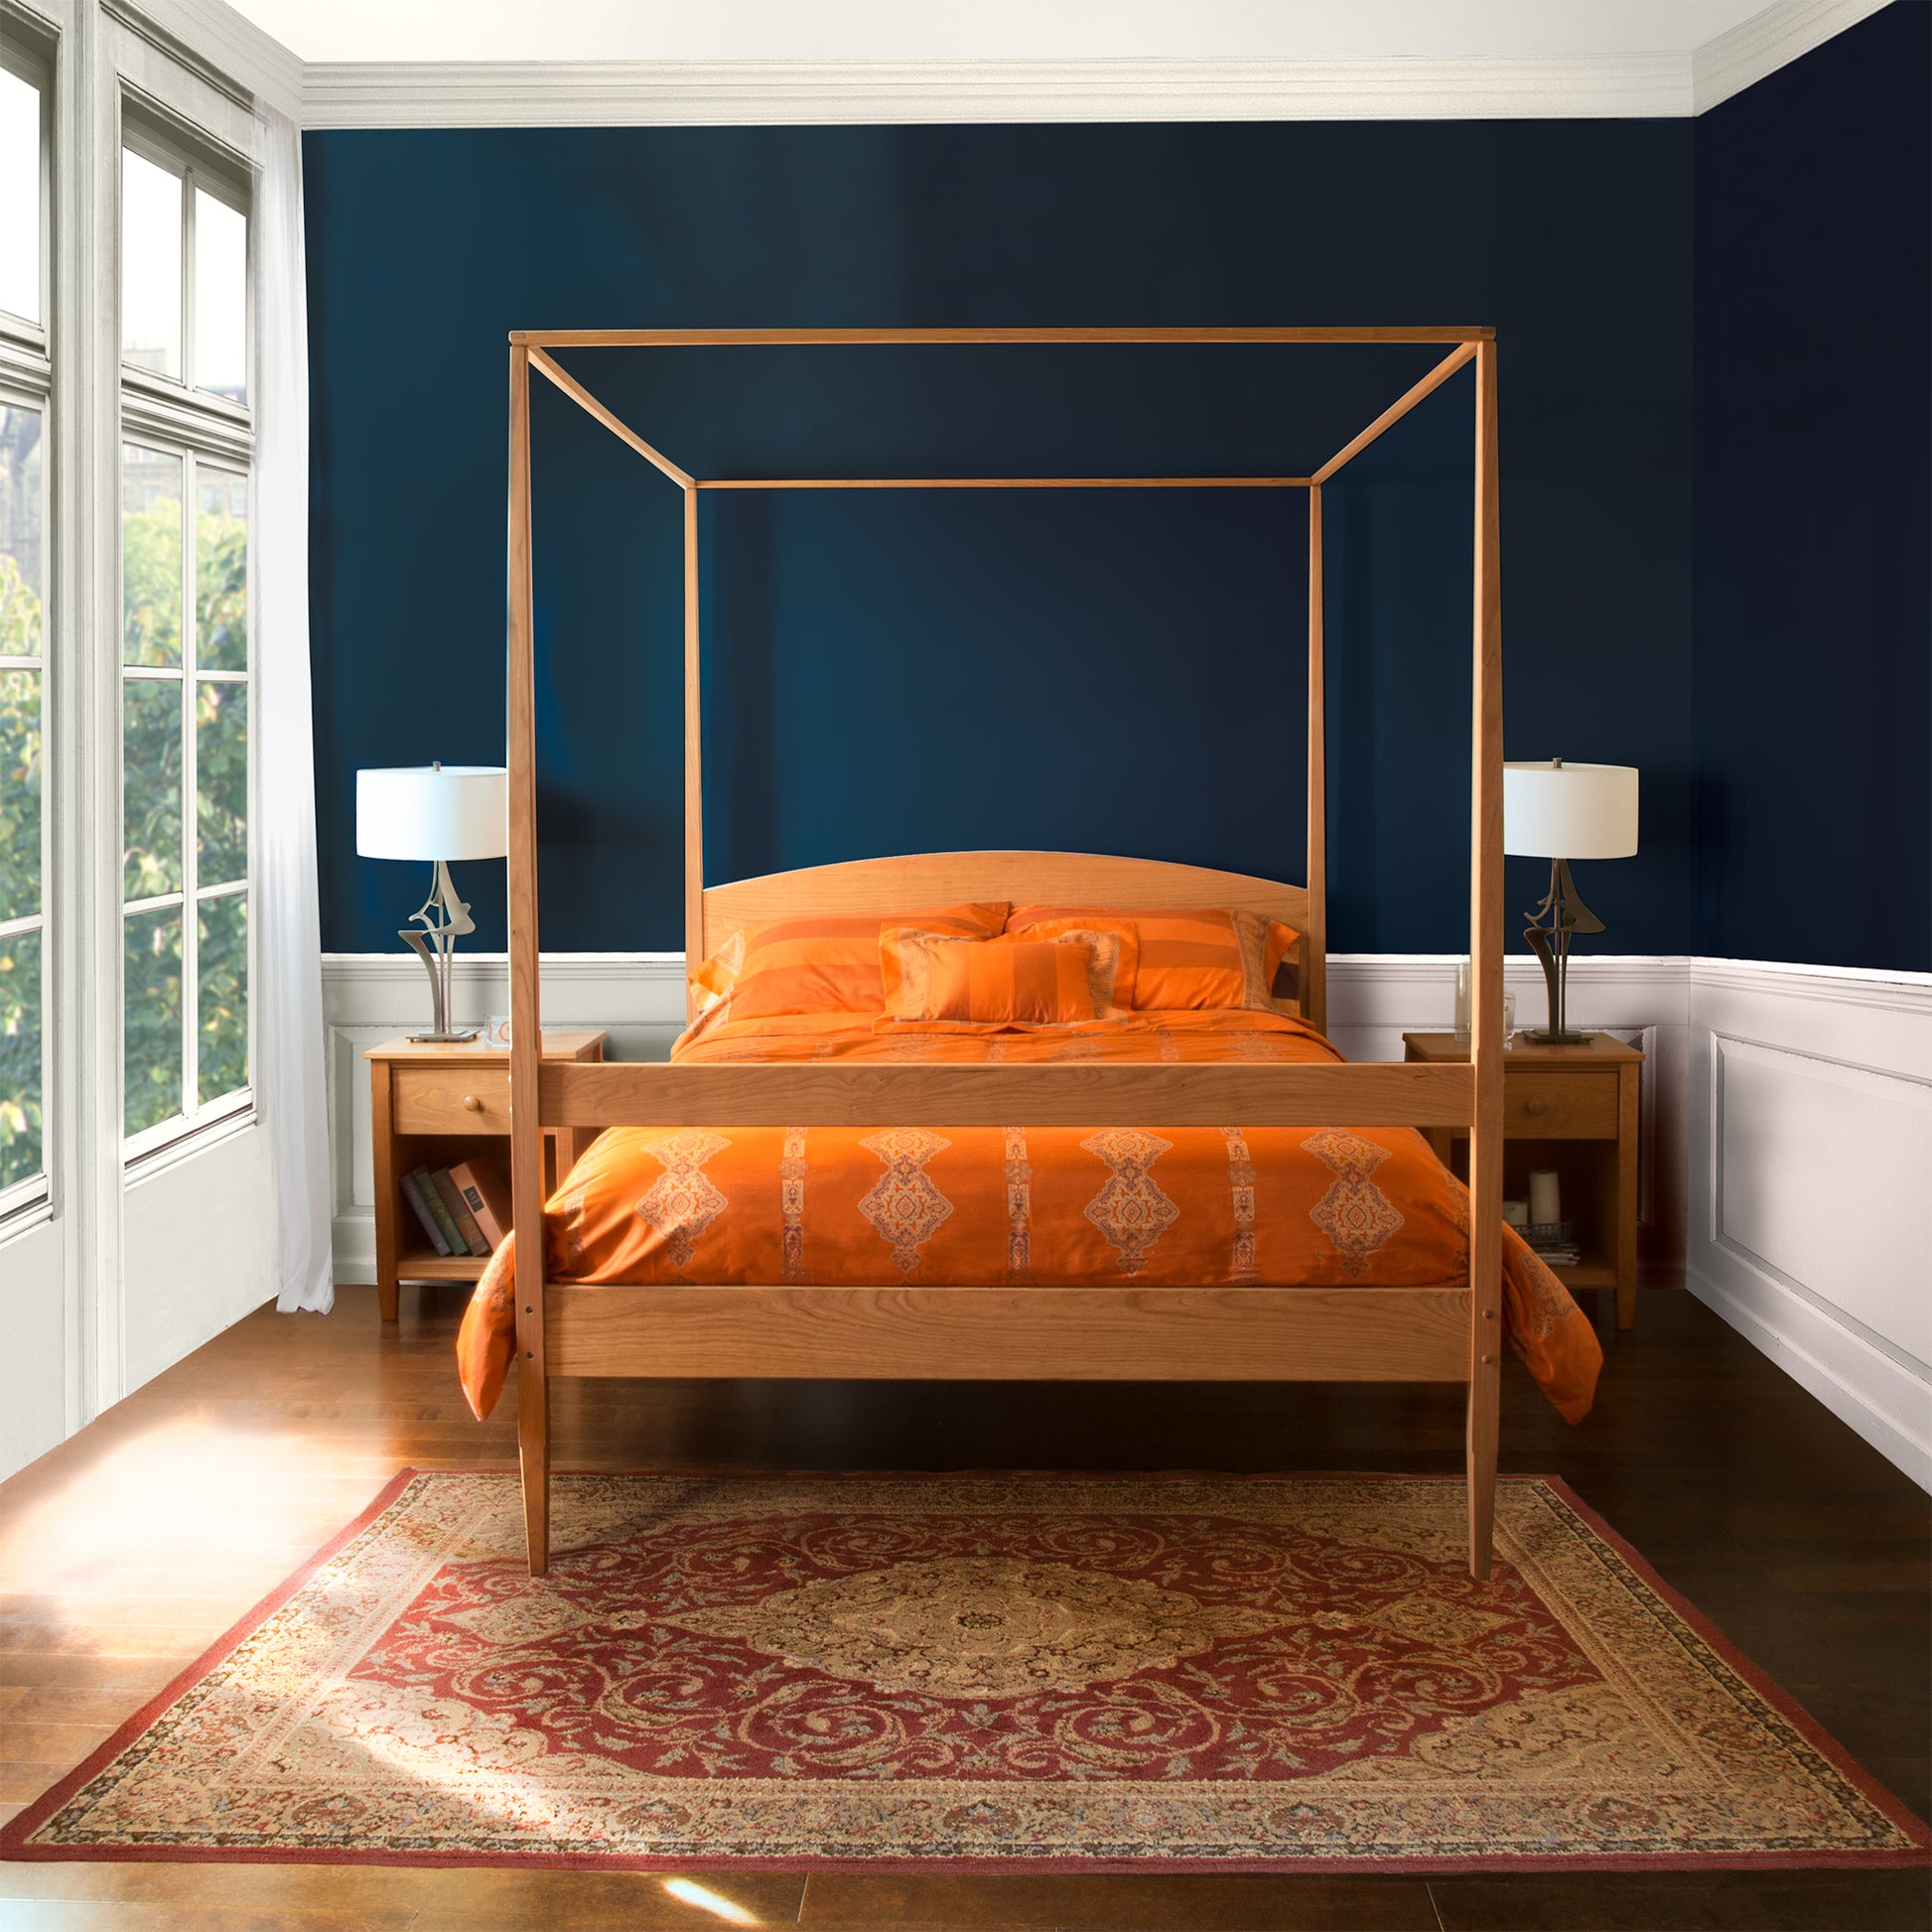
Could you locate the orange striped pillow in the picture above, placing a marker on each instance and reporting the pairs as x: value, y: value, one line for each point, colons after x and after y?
x: 1190, y: 959
x: 907, y: 966
x: 992, y: 983
x: 819, y: 965
x: 1116, y: 958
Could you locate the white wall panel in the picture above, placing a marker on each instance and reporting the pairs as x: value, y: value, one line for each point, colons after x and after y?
x: 1811, y: 1182
x: 1373, y: 999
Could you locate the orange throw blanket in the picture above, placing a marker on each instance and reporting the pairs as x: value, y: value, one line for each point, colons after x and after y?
x: 987, y: 1206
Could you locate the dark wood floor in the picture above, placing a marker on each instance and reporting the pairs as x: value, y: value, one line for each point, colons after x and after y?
x: 131, y: 1548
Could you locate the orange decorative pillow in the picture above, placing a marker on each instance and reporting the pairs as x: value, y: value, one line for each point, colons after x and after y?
x: 1190, y: 959
x: 1116, y: 957
x: 990, y: 983
x: 818, y: 965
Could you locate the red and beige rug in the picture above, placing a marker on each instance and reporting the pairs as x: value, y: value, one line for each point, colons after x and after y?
x: 1075, y: 1673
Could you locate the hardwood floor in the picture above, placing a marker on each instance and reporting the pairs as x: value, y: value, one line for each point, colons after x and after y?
x: 127, y: 1551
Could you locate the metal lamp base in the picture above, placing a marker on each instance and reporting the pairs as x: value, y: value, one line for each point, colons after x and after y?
x: 1568, y: 915
x: 441, y: 918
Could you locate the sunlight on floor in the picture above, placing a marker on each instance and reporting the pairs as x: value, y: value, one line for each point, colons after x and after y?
x: 171, y: 1492
x: 689, y: 1892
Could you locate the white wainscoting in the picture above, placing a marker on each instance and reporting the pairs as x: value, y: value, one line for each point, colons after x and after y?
x: 1787, y: 1118
x: 1374, y: 999
x: 366, y: 998
x: 1811, y: 1184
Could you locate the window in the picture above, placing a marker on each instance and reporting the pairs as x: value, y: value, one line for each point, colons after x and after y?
x: 23, y: 696
x: 185, y: 678
x: 25, y: 384
x: 22, y: 194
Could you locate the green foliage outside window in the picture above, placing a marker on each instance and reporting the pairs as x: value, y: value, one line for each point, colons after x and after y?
x: 21, y: 1113
x: 152, y: 727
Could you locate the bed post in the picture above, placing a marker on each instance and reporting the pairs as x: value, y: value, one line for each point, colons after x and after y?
x: 526, y: 1052
x: 1314, y: 957
x: 1486, y: 973
x: 694, y: 946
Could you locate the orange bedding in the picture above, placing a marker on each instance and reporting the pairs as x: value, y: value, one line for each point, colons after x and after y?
x: 987, y: 1206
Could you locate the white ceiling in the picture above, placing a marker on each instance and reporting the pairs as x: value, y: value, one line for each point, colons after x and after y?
x: 986, y: 30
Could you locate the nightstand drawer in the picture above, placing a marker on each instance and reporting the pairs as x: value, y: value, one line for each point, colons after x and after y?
x: 1559, y: 1105
x: 452, y: 1100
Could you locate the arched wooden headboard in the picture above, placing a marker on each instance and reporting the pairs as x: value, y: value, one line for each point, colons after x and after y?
x: 862, y: 888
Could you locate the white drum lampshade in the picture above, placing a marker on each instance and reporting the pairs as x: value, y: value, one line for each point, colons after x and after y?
x: 433, y: 811
x: 1553, y: 810
x: 1557, y: 811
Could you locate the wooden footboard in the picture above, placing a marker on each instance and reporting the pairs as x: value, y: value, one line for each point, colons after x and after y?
x: 1023, y: 1333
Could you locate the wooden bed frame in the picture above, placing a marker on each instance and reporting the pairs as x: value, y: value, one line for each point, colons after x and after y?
x: 1448, y: 1333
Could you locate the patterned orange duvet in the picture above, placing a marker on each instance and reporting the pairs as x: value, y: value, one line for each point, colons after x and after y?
x: 986, y: 1205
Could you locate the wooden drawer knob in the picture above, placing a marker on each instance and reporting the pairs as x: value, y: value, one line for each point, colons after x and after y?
x: 1529, y: 1106
x: 472, y: 1104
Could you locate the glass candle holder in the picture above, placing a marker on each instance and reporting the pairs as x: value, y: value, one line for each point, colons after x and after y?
x: 1462, y: 985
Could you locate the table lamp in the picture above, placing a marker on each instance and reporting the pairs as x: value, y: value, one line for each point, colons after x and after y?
x: 437, y: 812
x: 1560, y: 812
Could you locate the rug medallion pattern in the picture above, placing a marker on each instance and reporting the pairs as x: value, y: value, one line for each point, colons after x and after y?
x: 1236, y: 1672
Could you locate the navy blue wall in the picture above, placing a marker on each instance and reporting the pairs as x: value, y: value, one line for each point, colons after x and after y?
x: 898, y: 672
x: 1814, y: 504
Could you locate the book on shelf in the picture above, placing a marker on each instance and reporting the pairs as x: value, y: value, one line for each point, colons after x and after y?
x: 465, y: 1222
x: 412, y: 1194
x: 1560, y: 1255
x: 487, y: 1198
x: 445, y: 1220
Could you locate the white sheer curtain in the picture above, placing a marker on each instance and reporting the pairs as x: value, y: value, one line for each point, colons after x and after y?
x: 287, y: 936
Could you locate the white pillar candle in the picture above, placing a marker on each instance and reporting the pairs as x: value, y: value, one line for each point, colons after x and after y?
x: 1546, y: 1203
x: 1516, y: 1213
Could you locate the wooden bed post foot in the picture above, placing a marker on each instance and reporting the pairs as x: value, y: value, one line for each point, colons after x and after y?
x: 536, y: 1508
x: 533, y: 1458
x: 1480, y: 1471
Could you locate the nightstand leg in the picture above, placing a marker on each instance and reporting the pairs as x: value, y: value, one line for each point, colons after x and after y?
x: 382, y: 1137
x: 1628, y: 1117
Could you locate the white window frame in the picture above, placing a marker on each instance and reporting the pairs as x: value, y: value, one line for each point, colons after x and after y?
x: 172, y: 417
x: 27, y: 382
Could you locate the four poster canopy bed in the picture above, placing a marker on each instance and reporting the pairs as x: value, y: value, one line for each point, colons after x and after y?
x: 827, y: 1179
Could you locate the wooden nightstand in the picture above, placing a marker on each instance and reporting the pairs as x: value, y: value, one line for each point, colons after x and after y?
x: 433, y: 1104
x: 1573, y: 1109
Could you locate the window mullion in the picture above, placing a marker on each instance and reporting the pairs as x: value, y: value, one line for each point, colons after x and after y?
x: 190, y: 796
x: 187, y: 371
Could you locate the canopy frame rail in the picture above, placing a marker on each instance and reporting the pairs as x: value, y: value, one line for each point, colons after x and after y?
x: 1361, y: 1095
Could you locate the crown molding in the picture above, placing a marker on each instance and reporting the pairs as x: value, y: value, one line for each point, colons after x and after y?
x: 673, y: 93
x: 692, y: 93
x: 223, y: 45
x: 1768, y: 41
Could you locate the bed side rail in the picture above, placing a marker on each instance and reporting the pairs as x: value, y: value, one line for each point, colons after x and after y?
x: 650, y: 1094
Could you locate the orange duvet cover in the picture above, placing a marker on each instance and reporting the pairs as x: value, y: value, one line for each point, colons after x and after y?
x: 987, y: 1206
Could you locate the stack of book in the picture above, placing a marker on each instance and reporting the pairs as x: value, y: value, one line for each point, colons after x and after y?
x: 465, y: 1209
x: 1552, y: 1244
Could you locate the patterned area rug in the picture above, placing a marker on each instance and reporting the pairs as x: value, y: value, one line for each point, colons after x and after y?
x: 1042, y: 1672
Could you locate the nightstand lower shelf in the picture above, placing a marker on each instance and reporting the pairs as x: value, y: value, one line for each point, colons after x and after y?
x: 427, y: 1266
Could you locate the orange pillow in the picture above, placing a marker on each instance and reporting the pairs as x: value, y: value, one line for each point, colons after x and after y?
x: 1190, y: 959
x: 819, y: 965
x: 993, y: 983
x: 1116, y: 957
x: 906, y: 965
